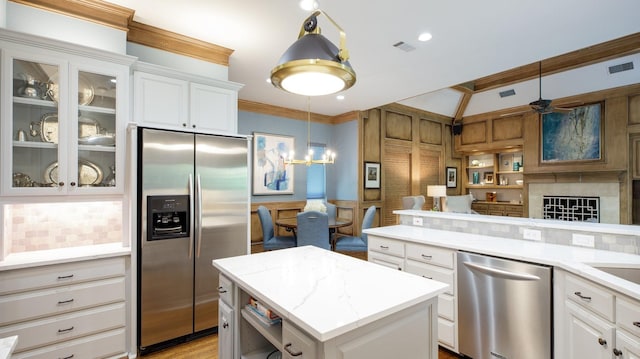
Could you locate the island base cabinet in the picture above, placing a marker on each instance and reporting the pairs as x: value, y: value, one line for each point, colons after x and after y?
x: 225, y: 331
x: 628, y: 346
x: 407, y: 334
x: 296, y: 344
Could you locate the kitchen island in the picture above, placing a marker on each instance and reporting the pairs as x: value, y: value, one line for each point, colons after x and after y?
x: 330, y: 306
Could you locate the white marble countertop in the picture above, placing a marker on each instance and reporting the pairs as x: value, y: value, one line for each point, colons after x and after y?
x: 62, y: 255
x: 577, y: 260
x: 7, y: 345
x: 326, y: 293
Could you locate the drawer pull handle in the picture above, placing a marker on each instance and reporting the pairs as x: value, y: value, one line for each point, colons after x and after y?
x: 65, y: 330
x: 617, y: 352
x: 225, y: 325
x: 579, y: 294
x: 293, y: 354
x: 384, y: 247
x: 427, y: 257
x: 221, y: 290
x: 67, y: 357
x: 65, y: 301
x: 637, y: 324
x: 602, y: 342
x: 424, y: 276
x: 65, y: 276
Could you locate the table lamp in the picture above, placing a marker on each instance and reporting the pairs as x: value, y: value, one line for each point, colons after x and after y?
x: 436, y: 192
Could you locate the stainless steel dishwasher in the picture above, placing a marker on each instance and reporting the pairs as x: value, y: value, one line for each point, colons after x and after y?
x: 504, y: 308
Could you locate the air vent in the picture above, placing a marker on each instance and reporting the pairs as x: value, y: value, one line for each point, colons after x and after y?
x: 507, y: 93
x: 404, y: 46
x: 622, y: 67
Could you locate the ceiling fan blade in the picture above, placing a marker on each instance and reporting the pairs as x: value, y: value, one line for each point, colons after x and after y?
x: 515, y: 113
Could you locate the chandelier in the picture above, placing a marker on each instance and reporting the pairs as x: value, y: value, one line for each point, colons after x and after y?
x: 328, y: 157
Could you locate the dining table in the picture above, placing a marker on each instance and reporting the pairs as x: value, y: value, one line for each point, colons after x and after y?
x: 291, y: 224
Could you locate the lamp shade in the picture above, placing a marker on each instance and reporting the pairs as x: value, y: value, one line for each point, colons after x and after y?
x: 311, y: 67
x: 437, y: 191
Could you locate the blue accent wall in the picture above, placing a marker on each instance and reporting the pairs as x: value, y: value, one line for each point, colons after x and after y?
x: 342, y: 138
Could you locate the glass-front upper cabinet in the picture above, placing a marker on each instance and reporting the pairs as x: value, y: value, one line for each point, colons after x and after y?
x: 63, y: 125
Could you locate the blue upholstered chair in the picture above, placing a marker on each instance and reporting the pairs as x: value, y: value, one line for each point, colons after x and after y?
x: 269, y: 240
x: 357, y: 244
x: 313, y: 229
x: 332, y: 211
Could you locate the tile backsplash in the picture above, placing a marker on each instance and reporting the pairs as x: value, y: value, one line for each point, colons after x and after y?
x: 42, y: 226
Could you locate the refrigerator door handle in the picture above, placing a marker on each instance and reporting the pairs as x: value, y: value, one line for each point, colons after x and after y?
x: 199, y: 215
x: 192, y: 197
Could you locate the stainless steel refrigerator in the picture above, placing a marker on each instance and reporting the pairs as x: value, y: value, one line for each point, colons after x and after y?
x: 193, y: 207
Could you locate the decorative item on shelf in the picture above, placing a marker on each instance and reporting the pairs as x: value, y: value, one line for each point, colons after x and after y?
x: 488, y: 177
x: 436, y: 192
x: 313, y: 66
x: 519, y: 182
x: 516, y: 166
x: 328, y: 157
x: 475, y: 163
x: 476, y: 177
x: 504, y: 181
x: 21, y: 136
x: 492, y: 196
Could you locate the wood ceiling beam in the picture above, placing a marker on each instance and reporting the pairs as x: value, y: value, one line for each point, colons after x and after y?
x: 626, y: 45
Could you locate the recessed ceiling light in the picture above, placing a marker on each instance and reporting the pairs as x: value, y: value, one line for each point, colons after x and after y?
x: 340, y: 97
x: 268, y: 79
x: 425, y: 36
x: 308, y: 5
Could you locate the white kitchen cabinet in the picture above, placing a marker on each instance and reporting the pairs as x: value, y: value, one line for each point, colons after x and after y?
x: 386, y: 252
x: 63, y: 113
x: 593, y: 321
x: 60, y: 310
x: 438, y: 264
x: 588, y: 336
x: 169, y: 99
x: 226, y: 327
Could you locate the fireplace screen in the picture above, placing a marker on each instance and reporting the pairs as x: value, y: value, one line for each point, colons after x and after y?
x: 566, y: 208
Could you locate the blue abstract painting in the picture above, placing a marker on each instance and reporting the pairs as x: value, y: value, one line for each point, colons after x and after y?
x: 572, y: 136
x: 271, y: 175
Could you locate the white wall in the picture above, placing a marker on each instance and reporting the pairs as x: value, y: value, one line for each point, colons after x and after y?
x: 30, y: 20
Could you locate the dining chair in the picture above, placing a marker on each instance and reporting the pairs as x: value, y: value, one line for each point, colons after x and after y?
x: 269, y: 240
x: 354, y: 243
x: 313, y: 229
x: 332, y: 210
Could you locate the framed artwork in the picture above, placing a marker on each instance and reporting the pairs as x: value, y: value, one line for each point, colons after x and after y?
x: 371, y: 175
x: 271, y: 176
x: 572, y: 136
x: 488, y: 177
x: 452, y: 177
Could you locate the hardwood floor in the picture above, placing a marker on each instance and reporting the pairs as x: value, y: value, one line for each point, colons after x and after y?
x: 207, y: 348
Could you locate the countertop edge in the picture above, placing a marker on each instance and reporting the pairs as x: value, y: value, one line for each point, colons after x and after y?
x: 62, y: 255
x: 584, y: 269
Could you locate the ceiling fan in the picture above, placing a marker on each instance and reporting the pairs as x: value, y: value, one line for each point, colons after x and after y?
x: 543, y: 106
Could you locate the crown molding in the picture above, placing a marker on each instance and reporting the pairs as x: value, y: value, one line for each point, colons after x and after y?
x: 257, y: 107
x: 100, y: 12
x: 158, y: 38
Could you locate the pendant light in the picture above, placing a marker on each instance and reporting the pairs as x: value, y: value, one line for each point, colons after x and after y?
x: 313, y: 66
x: 328, y: 157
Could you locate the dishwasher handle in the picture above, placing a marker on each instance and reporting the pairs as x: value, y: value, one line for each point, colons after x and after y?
x: 501, y: 273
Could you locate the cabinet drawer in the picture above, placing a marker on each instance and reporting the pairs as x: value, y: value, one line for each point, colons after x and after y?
x: 446, y: 306
x: 295, y: 341
x: 447, y: 333
x: 432, y: 255
x: 102, y: 345
x: 432, y: 272
x: 45, y: 302
x: 628, y: 315
x: 21, y: 280
x: 225, y: 290
x: 386, y: 260
x: 590, y: 296
x: 59, y: 328
x: 387, y: 246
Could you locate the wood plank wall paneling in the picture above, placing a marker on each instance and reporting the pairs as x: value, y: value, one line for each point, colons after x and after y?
x: 635, y: 156
x: 473, y: 133
x: 397, y: 180
x: 634, y: 110
x: 430, y: 132
x: 507, y: 128
x: 398, y: 126
x: 430, y: 173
